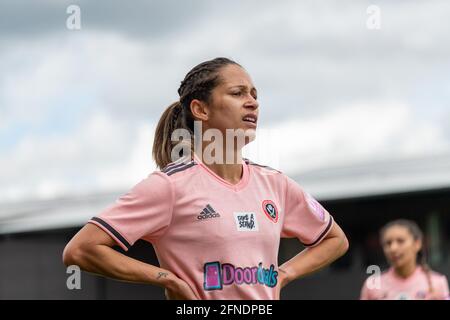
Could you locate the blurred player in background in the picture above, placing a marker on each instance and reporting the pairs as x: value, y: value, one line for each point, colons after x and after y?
x: 409, y: 277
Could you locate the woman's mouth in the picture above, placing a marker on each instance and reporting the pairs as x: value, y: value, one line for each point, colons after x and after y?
x: 250, y: 119
x: 396, y: 258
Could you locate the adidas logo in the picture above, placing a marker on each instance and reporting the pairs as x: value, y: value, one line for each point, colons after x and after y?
x: 208, y: 212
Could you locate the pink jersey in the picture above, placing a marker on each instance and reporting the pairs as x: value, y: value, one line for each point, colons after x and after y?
x: 222, y: 239
x: 415, y: 287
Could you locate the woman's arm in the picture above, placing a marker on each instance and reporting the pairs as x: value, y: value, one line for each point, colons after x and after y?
x: 333, y: 246
x: 91, y: 250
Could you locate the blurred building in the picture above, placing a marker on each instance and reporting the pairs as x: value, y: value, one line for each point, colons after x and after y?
x: 361, y: 198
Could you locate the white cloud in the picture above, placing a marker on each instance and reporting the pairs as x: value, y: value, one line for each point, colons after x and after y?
x: 103, y: 154
x: 138, y: 165
x: 355, y: 133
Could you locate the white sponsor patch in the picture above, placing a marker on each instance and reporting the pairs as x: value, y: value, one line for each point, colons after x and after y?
x: 246, y: 221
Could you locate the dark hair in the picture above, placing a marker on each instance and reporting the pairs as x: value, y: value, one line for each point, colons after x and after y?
x: 197, y: 84
x: 417, y: 234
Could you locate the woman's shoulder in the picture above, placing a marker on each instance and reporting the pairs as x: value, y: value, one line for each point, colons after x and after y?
x: 181, y: 165
x: 438, y: 276
x: 377, y: 277
x: 373, y: 284
x: 377, y: 274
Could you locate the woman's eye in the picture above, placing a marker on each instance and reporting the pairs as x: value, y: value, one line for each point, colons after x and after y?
x: 240, y: 93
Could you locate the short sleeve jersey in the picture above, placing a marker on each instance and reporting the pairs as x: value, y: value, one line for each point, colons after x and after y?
x: 221, y: 238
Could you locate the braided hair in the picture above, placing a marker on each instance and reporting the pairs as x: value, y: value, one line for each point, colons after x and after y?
x: 197, y: 84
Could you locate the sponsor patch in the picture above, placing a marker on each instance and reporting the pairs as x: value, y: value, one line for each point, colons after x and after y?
x: 246, y: 221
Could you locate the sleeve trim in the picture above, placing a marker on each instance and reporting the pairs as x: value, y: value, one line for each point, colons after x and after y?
x: 113, y: 231
x: 322, y: 235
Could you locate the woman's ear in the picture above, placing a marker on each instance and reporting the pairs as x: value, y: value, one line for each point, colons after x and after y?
x: 417, y: 245
x: 199, y: 110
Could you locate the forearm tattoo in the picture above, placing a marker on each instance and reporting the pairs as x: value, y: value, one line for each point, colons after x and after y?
x: 162, y: 274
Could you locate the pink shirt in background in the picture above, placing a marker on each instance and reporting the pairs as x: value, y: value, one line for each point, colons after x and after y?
x: 222, y: 239
x: 415, y: 287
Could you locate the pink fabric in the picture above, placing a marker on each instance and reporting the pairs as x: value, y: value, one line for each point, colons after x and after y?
x: 222, y: 239
x: 415, y: 287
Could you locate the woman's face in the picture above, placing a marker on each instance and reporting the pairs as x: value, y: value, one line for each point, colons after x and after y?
x: 399, y: 246
x: 233, y: 101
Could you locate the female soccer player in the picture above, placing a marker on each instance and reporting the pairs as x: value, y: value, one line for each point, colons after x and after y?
x: 407, y: 279
x: 215, y: 225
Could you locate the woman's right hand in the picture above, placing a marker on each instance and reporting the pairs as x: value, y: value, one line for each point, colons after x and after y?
x: 180, y: 290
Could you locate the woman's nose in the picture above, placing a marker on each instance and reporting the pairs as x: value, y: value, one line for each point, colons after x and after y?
x: 252, y: 103
x: 393, y: 247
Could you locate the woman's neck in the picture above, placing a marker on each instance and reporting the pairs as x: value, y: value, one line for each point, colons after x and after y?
x: 406, y: 270
x: 231, y: 173
x: 230, y: 169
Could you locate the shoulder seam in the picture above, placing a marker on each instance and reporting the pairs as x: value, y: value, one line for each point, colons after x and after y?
x: 178, y: 162
x: 249, y: 162
x: 178, y: 168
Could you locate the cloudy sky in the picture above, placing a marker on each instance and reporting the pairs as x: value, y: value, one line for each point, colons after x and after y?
x: 78, y: 107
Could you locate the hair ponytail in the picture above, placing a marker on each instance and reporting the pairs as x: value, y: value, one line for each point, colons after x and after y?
x: 422, y: 259
x: 173, y: 118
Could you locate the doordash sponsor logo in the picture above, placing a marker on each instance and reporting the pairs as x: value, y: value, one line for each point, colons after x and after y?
x: 217, y: 275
